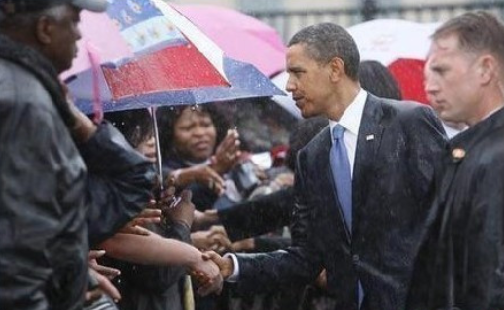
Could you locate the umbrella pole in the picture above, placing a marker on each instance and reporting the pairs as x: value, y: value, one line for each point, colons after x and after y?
x: 158, y: 148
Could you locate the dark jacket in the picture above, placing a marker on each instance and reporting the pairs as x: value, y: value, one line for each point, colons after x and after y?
x: 393, y: 171
x: 44, y: 188
x: 259, y: 215
x: 460, y: 265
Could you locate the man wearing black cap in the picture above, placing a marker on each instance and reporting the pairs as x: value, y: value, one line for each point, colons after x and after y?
x: 47, y: 199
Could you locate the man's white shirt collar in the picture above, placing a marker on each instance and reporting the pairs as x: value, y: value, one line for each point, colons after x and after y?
x: 352, y: 116
x: 351, y: 120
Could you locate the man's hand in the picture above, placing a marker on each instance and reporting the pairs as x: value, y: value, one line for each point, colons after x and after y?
x: 202, y: 174
x: 225, y: 264
x: 207, y: 275
x: 243, y: 245
x: 108, y: 272
x: 145, y: 217
x: 203, y: 220
x: 183, y: 211
x: 215, y: 239
x: 102, y: 275
x: 104, y: 287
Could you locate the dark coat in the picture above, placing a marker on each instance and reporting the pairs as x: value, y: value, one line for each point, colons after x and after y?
x: 461, y: 262
x: 259, y: 215
x: 397, y: 145
x: 45, y: 191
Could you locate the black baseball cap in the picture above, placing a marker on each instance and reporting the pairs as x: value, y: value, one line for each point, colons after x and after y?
x: 11, y: 7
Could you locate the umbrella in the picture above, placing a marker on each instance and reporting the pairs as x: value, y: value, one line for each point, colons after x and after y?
x: 163, y: 59
x: 400, y: 45
x: 143, y: 54
x: 242, y: 37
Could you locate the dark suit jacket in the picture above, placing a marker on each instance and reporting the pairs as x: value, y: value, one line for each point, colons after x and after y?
x: 397, y: 145
x: 259, y: 215
x: 460, y: 265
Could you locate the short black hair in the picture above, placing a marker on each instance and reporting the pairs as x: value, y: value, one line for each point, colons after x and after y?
x: 327, y: 40
x: 135, y: 125
x: 377, y: 79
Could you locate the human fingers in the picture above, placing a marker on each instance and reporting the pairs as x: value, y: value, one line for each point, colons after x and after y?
x: 107, y: 287
x: 106, y: 271
x: 148, y: 216
x: 135, y: 230
x: 94, y: 254
x: 214, y: 286
x: 93, y: 295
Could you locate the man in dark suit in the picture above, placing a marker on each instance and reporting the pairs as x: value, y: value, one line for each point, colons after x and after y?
x: 461, y: 262
x: 362, y: 185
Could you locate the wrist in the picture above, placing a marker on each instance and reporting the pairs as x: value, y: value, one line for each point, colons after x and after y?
x: 214, y: 164
x: 174, y: 177
x: 193, y: 259
x: 228, y: 266
x: 186, y: 224
x: 83, y: 130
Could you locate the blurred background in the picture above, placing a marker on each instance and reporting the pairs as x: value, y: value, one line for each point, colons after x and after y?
x: 288, y: 16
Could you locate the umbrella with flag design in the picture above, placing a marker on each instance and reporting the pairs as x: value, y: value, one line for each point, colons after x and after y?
x: 163, y: 59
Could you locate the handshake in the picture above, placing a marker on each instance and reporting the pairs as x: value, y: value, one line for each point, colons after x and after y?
x: 210, y: 271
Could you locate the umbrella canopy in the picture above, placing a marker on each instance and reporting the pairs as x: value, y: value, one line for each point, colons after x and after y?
x: 152, y: 55
x: 242, y: 37
x: 400, y: 45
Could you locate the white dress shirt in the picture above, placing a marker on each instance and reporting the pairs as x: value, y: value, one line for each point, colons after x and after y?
x: 450, y: 131
x: 350, y: 120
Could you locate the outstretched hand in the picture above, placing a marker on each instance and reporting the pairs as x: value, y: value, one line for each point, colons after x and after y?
x: 208, y: 276
x: 215, y: 239
x: 227, y: 154
x: 103, y: 275
x: 147, y: 216
x: 178, y: 209
x: 226, y: 265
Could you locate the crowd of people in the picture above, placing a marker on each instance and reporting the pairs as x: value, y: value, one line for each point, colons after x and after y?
x: 376, y: 203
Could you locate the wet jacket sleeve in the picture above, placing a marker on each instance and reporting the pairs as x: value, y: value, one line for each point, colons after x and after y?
x: 31, y: 166
x: 120, y: 182
x: 295, y: 266
x: 258, y: 216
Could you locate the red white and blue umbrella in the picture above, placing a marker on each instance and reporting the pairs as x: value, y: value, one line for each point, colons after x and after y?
x: 162, y: 58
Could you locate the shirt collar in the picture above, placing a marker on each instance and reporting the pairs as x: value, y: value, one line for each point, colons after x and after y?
x: 352, y: 116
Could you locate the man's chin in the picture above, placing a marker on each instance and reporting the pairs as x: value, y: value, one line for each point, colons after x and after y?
x: 309, y: 114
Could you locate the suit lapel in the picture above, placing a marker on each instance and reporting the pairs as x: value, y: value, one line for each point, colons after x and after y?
x: 368, y: 143
x: 325, y: 183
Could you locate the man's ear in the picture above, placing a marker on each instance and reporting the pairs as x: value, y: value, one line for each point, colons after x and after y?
x: 337, y: 67
x: 44, y: 28
x: 488, y: 68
